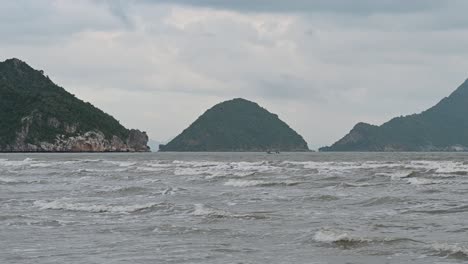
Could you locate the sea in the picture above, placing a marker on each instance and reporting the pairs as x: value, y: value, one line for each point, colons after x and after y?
x: 234, y: 208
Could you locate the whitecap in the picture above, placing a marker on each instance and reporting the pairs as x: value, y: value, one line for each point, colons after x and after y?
x: 93, y: 208
x: 243, y: 183
x: 121, y: 163
x: 422, y: 181
x: 347, y: 240
x: 6, y: 181
x: 251, y: 183
x: 332, y: 236
x: 150, y: 169
x: 451, y: 250
x: 205, y: 211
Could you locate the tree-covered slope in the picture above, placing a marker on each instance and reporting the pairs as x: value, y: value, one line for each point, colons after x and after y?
x: 237, y: 125
x: 443, y: 127
x: 34, y: 110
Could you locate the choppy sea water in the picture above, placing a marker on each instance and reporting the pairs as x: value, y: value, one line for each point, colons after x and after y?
x: 234, y: 208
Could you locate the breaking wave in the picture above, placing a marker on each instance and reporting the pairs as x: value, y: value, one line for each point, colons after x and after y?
x: 261, y: 183
x: 205, y: 211
x: 94, y: 208
x: 347, y: 240
x: 342, y: 239
x: 451, y: 250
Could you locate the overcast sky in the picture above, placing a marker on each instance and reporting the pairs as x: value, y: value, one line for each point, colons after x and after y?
x: 321, y: 65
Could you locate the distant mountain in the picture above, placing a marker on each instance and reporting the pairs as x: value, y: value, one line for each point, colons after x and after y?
x: 237, y: 125
x: 38, y: 115
x: 443, y: 127
x: 154, y: 145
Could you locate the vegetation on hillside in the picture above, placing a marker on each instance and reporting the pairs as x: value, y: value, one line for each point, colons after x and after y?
x: 439, y: 128
x: 237, y: 125
x: 27, y: 92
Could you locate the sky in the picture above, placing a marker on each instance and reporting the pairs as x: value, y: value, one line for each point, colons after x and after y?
x: 321, y: 65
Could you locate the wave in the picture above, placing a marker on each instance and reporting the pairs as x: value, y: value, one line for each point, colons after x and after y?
x: 11, y: 181
x: 333, y: 166
x: 347, y: 240
x: 121, y: 163
x: 441, y: 167
x: 172, y: 191
x: 349, y: 184
x: 124, y: 189
x: 205, y: 211
x: 342, y: 239
x: 15, y: 163
x: 321, y: 197
x: 94, y: 208
x: 5, y: 181
x: 151, y: 169
x: 423, y: 181
x: 451, y: 250
x: 42, y: 223
x: 223, y: 169
x: 453, y: 210
x: 382, y: 201
x: 244, y: 183
x: 251, y: 183
x: 35, y: 163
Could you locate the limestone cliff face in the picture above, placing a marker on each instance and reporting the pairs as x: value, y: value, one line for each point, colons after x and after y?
x: 90, y: 141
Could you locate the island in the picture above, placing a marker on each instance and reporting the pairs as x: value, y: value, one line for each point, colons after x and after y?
x: 36, y: 115
x: 237, y: 125
x: 443, y: 127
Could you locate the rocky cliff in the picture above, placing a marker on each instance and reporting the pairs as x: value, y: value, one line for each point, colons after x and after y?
x: 237, y: 125
x: 36, y: 115
x: 443, y: 127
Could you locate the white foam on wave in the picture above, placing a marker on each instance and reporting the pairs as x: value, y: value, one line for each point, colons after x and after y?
x: 397, y: 175
x: 333, y: 236
x: 150, y: 169
x: 354, y: 184
x: 243, y: 183
x: 450, y: 249
x: 252, y: 183
x: 341, y: 167
x: 221, y: 169
x: 205, y: 211
x: 7, y: 180
x: 92, y: 208
x: 15, y: 163
x: 423, y: 181
x: 33, y: 163
x: 121, y: 163
x: 42, y: 165
x: 441, y: 167
x: 201, y: 163
x: 202, y: 210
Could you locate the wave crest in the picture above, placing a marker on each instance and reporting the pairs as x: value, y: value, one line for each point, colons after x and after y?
x: 94, y: 208
x: 202, y: 210
x: 453, y: 251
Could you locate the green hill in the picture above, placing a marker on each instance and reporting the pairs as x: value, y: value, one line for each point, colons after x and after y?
x: 38, y: 115
x: 237, y: 125
x: 443, y: 127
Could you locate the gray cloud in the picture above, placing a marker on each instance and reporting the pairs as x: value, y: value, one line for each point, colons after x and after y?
x: 365, y: 7
x: 321, y: 65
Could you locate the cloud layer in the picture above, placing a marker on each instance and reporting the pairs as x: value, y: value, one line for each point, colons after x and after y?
x: 321, y: 65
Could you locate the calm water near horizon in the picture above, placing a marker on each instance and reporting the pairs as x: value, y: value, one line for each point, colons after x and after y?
x: 234, y: 208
